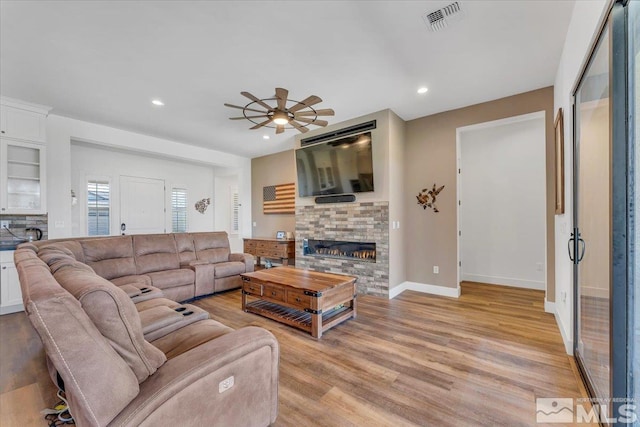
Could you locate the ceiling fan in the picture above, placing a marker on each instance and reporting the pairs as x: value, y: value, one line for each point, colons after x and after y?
x: 299, y: 115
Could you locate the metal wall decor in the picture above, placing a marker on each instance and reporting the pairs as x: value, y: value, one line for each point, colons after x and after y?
x: 427, y: 198
x: 202, y: 205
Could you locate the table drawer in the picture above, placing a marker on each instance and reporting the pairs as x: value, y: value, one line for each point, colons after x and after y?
x: 269, y: 246
x: 274, y: 293
x: 252, y: 288
x: 298, y: 298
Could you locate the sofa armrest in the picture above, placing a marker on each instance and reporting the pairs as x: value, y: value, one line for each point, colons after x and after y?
x: 187, y: 264
x: 231, y: 380
x: 246, y: 258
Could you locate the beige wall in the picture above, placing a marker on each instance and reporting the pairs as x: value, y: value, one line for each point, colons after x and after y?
x: 430, y: 157
x: 268, y: 170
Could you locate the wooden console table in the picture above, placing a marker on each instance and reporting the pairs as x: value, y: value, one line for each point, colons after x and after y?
x: 280, y: 249
x: 307, y: 300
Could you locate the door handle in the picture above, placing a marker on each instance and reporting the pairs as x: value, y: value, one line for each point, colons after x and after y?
x: 569, y: 245
x: 123, y: 227
x: 582, y: 248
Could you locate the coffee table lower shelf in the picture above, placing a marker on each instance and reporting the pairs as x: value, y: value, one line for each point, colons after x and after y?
x: 298, y: 318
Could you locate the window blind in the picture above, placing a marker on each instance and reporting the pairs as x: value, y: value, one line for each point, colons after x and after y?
x: 179, y: 210
x: 98, y: 208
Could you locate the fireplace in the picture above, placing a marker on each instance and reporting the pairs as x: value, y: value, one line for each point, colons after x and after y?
x: 361, y: 251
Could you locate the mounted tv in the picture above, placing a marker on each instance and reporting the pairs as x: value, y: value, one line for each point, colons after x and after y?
x: 340, y: 166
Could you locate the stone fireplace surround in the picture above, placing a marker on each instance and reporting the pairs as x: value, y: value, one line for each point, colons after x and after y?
x: 348, y: 222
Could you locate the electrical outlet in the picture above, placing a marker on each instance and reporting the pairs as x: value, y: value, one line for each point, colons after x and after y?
x: 255, y: 224
x: 4, y: 224
x: 563, y: 295
x: 539, y: 266
x: 436, y: 269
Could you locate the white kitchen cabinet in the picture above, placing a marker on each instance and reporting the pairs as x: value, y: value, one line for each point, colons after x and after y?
x: 10, y: 293
x: 22, y: 124
x: 23, y: 120
x: 22, y: 177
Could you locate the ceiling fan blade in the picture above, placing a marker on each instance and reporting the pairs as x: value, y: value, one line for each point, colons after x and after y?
x: 312, y: 121
x: 259, y: 101
x: 244, y: 108
x: 282, y: 95
x: 298, y: 126
x: 323, y: 112
x: 279, y: 129
x: 308, y: 102
x: 248, y: 117
x: 259, y: 125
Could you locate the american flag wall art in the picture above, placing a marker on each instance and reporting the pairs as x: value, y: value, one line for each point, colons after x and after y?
x: 279, y: 199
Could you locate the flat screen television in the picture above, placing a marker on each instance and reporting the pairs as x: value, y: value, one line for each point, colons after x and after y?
x: 341, y: 166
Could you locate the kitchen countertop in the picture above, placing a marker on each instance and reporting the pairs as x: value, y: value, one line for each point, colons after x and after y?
x: 9, y: 245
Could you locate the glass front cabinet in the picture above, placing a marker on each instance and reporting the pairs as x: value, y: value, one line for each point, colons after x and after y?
x: 22, y: 178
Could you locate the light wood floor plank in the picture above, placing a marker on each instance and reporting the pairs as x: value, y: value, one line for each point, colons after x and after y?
x: 480, y: 360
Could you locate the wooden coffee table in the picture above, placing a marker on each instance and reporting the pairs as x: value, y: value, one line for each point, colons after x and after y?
x: 307, y: 300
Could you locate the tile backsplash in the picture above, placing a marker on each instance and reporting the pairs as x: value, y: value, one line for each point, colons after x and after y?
x: 18, y: 225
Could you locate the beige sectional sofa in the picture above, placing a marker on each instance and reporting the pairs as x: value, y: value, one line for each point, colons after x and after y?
x: 126, y: 353
x: 182, y: 265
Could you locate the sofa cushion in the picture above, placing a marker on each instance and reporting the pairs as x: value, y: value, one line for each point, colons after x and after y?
x: 110, y: 257
x: 160, y: 321
x: 135, y: 279
x: 155, y: 252
x: 115, y: 316
x: 172, y: 278
x: 58, y: 256
x: 212, y: 247
x: 75, y: 347
x: 186, y: 249
x: 226, y: 269
x: 184, y: 339
x: 156, y: 302
x: 70, y: 246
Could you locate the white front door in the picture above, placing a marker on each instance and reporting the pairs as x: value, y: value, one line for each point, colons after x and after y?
x: 142, y: 205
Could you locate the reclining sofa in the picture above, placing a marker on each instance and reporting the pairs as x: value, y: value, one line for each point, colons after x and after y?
x: 126, y: 353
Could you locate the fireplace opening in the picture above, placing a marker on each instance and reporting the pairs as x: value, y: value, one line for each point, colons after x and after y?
x: 362, y: 251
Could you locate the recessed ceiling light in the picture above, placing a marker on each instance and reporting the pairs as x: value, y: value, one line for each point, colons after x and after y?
x: 157, y: 102
x: 265, y: 137
x: 423, y: 90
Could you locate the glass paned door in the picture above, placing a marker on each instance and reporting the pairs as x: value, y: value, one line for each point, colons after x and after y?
x: 634, y: 229
x: 592, y: 220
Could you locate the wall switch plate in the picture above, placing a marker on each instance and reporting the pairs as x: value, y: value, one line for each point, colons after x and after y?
x: 255, y: 224
x: 4, y: 224
x: 436, y: 269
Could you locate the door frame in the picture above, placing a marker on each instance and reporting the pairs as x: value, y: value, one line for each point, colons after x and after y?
x: 486, y: 125
x: 615, y: 19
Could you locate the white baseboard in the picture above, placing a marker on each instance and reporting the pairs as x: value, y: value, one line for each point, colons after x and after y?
x: 424, y: 288
x: 504, y: 281
x: 568, y: 343
x: 549, y: 307
x: 11, y: 309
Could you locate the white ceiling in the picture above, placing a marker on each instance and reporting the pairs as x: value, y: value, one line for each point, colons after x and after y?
x: 104, y: 61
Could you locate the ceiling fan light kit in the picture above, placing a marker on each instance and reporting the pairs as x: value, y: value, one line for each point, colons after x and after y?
x: 298, y: 116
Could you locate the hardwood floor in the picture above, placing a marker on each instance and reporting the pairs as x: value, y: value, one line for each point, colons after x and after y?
x: 418, y: 359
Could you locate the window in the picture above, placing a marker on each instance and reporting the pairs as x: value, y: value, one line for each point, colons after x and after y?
x: 235, y: 211
x: 179, y: 210
x: 98, y: 208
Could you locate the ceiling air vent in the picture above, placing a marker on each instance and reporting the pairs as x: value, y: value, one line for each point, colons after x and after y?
x: 441, y: 18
